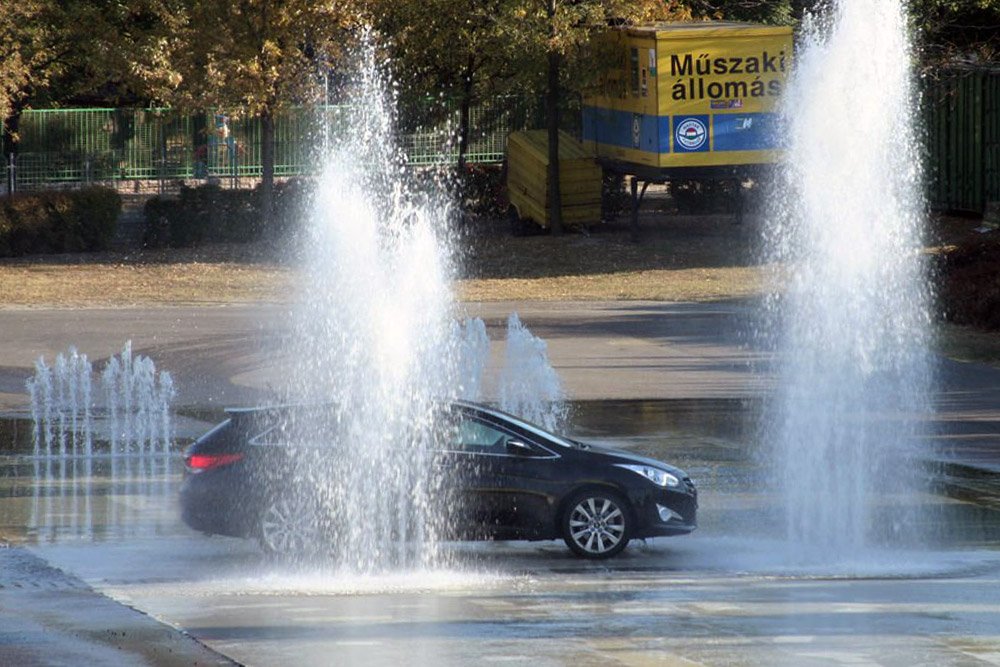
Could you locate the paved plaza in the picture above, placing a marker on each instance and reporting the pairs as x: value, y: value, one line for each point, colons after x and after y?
x: 111, y: 576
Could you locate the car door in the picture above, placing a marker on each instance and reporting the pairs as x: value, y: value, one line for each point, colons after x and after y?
x: 472, y: 494
x: 529, y: 474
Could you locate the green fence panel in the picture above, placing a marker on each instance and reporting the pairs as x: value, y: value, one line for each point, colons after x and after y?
x: 991, y: 138
x: 962, y: 130
x: 69, y: 146
x: 87, y: 145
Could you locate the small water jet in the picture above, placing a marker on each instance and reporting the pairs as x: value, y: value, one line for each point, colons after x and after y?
x: 473, y: 355
x: 124, y: 440
x: 135, y: 415
x: 137, y: 403
x: 60, y: 398
x: 529, y: 386
x: 851, y: 331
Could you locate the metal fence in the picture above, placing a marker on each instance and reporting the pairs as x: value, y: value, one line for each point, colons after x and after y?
x: 155, y: 146
x: 80, y: 146
x: 963, y: 139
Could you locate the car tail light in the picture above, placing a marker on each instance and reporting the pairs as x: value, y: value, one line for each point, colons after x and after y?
x: 199, y: 462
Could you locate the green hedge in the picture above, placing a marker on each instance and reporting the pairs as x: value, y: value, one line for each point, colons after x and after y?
x: 210, y: 214
x: 206, y: 213
x: 58, y: 221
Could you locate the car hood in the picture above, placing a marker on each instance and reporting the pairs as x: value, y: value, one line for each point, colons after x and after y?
x: 613, y: 455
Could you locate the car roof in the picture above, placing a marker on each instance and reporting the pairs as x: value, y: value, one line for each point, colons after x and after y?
x: 277, y: 407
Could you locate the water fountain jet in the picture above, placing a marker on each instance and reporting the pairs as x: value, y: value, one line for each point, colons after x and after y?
x: 376, y: 337
x: 74, y: 436
x: 851, y: 329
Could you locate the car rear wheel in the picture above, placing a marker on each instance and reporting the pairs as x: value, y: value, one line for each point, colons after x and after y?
x: 289, y: 525
x: 597, y: 524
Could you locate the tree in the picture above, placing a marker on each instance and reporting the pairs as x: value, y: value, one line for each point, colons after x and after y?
x: 567, y: 30
x: 56, y: 52
x: 255, y: 58
x: 951, y: 32
x: 775, y: 12
x: 455, y: 51
x: 16, y: 57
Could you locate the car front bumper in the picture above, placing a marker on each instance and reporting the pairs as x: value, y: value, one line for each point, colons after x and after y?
x: 665, y: 512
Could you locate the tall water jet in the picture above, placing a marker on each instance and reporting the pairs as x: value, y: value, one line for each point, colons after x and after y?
x: 378, y: 345
x: 851, y: 330
x: 375, y: 339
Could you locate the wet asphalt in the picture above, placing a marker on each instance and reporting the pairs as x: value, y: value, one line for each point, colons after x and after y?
x: 100, y: 571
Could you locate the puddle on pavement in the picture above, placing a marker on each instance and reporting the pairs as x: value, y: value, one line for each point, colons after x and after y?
x: 80, y: 497
x: 15, y: 436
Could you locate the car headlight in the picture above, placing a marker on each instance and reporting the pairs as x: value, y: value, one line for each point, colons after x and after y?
x: 654, y: 475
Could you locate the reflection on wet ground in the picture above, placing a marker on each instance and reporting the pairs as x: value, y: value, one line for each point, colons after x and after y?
x: 727, y: 594
x: 82, y: 497
x: 48, y: 500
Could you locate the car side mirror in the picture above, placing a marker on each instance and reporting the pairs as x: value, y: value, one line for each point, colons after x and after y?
x: 519, y: 448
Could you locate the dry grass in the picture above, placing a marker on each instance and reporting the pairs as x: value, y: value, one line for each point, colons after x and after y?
x: 118, y: 281
x: 680, y: 258
x: 657, y: 285
x: 684, y: 259
x: 126, y: 285
x: 115, y: 284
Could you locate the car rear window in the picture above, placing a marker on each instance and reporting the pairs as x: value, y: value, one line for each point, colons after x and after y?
x: 299, y: 428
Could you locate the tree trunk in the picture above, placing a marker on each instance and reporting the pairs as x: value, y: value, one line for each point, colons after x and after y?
x: 463, y: 117
x: 10, y: 127
x: 552, y: 118
x: 267, y: 168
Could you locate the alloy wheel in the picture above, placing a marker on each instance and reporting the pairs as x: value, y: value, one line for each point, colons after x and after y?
x: 289, y: 526
x: 597, y: 525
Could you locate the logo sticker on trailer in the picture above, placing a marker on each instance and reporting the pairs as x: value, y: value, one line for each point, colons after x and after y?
x: 690, y: 133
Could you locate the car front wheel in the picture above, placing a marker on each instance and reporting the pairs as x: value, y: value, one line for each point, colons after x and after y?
x: 597, y: 524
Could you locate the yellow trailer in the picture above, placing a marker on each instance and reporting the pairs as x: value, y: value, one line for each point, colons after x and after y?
x: 696, y: 100
x: 689, y: 96
x: 527, y: 180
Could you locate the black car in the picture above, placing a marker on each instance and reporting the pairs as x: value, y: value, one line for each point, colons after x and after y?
x: 512, y: 481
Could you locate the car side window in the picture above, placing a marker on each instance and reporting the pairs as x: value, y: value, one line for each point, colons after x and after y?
x: 472, y: 435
